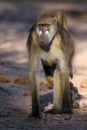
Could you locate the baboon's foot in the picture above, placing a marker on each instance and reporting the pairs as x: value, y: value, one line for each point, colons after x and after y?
x: 67, y: 111
x: 34, y: 115
x: 50, y: 109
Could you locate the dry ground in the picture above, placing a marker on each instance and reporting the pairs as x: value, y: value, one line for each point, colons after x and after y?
x: 15, y: 104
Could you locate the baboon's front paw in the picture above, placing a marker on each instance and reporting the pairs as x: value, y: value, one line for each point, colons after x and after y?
x: 34, y: 115
x: 50, y: 109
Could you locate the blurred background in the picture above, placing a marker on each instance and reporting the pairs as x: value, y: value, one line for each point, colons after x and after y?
x: 16, y: 18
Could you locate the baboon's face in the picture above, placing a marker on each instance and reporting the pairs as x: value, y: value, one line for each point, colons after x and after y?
x: 46, y: 33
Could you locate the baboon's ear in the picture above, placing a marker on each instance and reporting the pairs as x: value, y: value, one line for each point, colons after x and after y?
x: 55, y: 19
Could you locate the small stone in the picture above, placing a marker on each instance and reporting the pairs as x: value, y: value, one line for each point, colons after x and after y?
x: 4, y: 79
x: 83, y: 84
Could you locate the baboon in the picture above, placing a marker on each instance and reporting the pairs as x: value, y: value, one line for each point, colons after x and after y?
x: 62, y: 21
x: 50, y: 41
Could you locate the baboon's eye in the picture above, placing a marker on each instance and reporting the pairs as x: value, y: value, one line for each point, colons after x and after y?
x: 44, y: 27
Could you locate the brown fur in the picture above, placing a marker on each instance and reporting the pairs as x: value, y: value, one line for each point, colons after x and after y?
x: 60, y: 53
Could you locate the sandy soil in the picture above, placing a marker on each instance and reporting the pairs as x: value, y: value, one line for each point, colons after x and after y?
x: 15, y: 103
